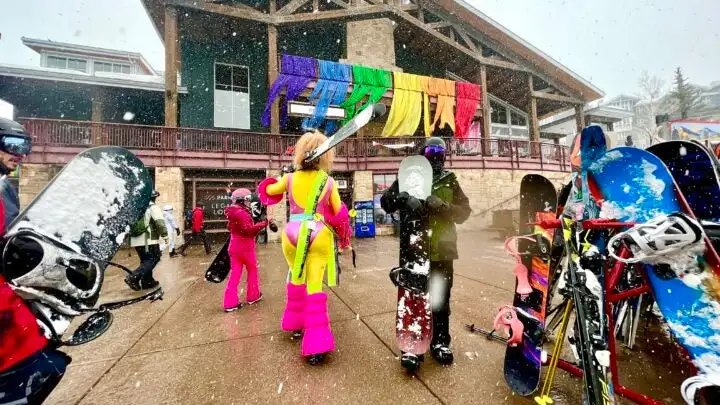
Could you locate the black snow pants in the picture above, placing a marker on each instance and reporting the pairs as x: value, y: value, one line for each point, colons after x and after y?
x: 441, y: 281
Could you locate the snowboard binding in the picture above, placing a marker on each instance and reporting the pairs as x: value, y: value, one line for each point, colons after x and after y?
x: 507, y: 320
x: 521, y: 271
x: 402, y: 277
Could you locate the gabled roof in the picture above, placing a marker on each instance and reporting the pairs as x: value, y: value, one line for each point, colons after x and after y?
x: 621, y: 97
x: 477, y: 21
x: 39, y: 45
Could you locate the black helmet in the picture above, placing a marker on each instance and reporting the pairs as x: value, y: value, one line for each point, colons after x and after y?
x: 15, y: 140
x: 434, y: 140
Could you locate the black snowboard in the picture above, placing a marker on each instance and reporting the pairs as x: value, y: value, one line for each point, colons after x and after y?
x: 538, y: 200
x: 220, y: 267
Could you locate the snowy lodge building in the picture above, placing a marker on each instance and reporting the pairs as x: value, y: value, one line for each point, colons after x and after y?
x: 217, y: 114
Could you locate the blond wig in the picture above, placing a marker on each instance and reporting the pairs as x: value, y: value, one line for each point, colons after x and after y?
x: 306, y: 144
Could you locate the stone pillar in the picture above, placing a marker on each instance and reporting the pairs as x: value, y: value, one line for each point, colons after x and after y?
x: 371, y: 43
x: 277, y: 212
x: 169, y: 183
x: 362, y: 186
x: 33, y: 178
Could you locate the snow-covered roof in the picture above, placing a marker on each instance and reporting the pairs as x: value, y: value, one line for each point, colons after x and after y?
x: 605, y: 112
x: 128, y: 81
x: 39, y: 45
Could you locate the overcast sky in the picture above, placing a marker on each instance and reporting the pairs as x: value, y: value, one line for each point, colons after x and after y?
x: 608, y: 42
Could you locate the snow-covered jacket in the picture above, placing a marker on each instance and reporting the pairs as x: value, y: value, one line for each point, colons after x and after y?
x: 156, y: 230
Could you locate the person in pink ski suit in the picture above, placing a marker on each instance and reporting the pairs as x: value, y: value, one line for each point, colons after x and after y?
x: 242, y: 249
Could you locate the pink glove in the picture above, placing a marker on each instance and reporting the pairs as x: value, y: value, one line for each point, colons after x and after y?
x: 263, y: 195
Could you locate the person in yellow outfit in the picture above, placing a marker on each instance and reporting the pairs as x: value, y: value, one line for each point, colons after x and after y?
x: 309, y: 242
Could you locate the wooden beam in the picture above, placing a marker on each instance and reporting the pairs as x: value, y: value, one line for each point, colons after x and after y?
x: 485, y: 61
x: 466, y: 38
x: 334, y: 14
x: 237, y: 10
x: 272, y: 6
x: 171, y: 66
x: 532, y: 114
x: 556, y: 97
x: 272, y: 76
x: 338, y: 2
x: 291, y: 7
x: 439, y: 24
x: 316, y: 6
x: 485, y: 106
x: 579, y: 117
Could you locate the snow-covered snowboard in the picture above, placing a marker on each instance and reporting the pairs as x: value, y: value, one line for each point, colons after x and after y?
x: 414, y: 317
x: 56, y: 250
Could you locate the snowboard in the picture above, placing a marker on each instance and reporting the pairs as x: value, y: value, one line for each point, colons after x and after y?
x: 585, y: 275
x: 635, y: 185
x: 694, y: 171
x: 57, y: 249
x: 220, y: 266
x: 414, y: 316
x: 538, y: 201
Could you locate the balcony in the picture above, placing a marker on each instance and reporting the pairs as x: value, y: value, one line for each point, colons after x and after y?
x: 57, y: 141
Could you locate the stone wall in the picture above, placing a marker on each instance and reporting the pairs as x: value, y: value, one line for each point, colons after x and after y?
x: 371, y: 43
x: 278, y: 212
x: 495, y: 189
x: 362, y: 185
x: 169, y: 183
x: 33, y: 178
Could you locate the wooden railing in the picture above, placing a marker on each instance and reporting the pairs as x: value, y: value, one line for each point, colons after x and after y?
x: 467, y: 153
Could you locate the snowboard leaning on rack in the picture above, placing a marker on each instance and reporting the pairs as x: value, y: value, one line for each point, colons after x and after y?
x: 78, y: 221
x: 414, y: 316
x: 538, y: 202
x: 689, y: 307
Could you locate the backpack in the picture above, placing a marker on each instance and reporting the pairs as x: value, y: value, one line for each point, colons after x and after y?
x: 141, y: 226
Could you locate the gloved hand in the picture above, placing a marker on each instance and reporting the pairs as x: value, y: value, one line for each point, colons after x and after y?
x: 177, y: 231
x: 409, y: 202
x: 436, y: 204
x: 273, y: 226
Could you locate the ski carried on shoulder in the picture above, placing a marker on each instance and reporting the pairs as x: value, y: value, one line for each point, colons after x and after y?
x: 360, y: 120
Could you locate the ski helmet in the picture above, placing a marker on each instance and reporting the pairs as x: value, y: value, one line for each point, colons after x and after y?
x: 434, y: 151
x: 13, y: 138
x: 240, y: 194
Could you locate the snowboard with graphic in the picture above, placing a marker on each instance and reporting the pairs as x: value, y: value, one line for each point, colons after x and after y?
x: 538, y: 200
x: 414, y: 316
x: 635, y: 185
x: 62, y: 242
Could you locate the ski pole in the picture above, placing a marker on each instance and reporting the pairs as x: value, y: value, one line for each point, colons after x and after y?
x: 544, y: 397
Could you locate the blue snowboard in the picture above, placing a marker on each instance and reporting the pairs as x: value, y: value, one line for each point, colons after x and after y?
x: 635, y: 185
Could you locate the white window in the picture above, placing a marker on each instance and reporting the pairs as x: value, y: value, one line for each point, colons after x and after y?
x: 507, y: 121
x: 61, y: 62
x: 232, y: 96
x: 111, y: 67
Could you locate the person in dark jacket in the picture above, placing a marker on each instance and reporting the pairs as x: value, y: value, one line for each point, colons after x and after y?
x: 198, y: 230
x: 445, y: 207
x: 30, y: 367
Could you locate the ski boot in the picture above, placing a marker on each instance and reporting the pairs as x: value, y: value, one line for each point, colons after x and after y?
x: 411, y: 362
x: 442, y: 354
x: 316, y: 359
x: 172, y: 253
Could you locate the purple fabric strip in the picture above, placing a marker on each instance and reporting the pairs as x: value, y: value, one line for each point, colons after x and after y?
x: 296, y: 72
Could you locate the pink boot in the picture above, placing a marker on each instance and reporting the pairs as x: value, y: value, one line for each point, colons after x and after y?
x: 293, y: 318
x: 318, y: 337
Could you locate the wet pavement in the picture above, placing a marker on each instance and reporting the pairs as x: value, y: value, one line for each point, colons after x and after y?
x: 185, y: 349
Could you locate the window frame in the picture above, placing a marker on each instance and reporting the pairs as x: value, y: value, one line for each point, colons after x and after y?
x: 231, y: 88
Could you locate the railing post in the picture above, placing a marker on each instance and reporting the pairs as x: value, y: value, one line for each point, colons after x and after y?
x: 541, y: 157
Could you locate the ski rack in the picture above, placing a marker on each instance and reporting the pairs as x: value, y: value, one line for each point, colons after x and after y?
x: 612, y: 276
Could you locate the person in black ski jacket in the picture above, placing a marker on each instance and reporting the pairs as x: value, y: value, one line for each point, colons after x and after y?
x: 446, y: 206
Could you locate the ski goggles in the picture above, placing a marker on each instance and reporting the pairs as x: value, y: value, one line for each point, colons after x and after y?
x: 16, y: 145
x: 434, y: 152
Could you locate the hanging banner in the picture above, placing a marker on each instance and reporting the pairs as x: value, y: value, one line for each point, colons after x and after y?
x: 693, y: 129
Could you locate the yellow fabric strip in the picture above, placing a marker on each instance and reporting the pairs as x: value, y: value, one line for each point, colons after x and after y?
x: 406, y: 108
